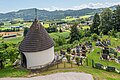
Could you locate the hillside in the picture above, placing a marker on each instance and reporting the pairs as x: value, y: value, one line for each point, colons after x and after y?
x: 28, y: 14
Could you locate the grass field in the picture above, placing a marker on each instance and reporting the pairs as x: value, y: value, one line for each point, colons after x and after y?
x: 7, y: 25
x: 12, y: 72
x: 69, y: 19
x: 86, y: 27
x: 46, y: 25
x: 86, y: 16
x: 13, y: 40
x: 53, y: 35
x: 56, y: 35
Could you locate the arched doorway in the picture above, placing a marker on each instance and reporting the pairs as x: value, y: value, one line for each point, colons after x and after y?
x: 23, y: 60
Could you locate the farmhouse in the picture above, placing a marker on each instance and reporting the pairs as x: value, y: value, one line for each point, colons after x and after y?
x: 37, y: 48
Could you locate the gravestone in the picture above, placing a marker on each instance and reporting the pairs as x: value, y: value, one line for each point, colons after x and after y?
x: 105, y: 56
x: 98, y: 65
x: 110, y: 69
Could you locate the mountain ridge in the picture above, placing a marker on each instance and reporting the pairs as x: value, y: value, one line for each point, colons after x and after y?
x: 29, y: 14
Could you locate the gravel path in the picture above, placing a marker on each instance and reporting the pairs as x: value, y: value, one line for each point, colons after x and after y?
x: 58, y: 76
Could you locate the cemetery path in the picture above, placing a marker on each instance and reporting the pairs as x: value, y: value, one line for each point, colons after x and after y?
x: 58, y: 76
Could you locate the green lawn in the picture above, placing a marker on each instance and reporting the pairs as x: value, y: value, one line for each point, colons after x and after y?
x: 86, y: 27
x: 96, y: 58
x: 69, y: 19
x: 86, y: 16
x: 12, y: 72
x: 57, y: 34
x: 46, y: 25
x: 14, y: 40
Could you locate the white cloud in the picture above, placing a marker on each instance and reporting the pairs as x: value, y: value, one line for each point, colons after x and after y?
x: 82, y: 6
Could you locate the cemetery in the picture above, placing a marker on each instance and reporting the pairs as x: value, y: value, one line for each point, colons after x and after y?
x: 75, y: 45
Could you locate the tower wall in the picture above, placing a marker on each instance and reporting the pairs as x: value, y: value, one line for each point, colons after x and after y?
x: 37, y: 59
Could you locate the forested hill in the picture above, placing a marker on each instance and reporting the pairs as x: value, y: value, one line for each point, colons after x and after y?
x: 29, y: 14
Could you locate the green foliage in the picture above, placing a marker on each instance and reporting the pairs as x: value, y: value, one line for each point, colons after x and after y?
x: 117, y: 18
x: 112, y: 33
x: 65, y: 46
x: 68, y: 56
x: 109, y: 21
x: 87, y: 33
x: 60, y: 41
x: 25, y: 31
x: 105, y: 25
x: 52, y: 29
x: 118, y: 35
x: 14, y: 22
x: 81, y: 33
x: 95, y: 36
x: 95, y: 26
x: 77, y: 59
x: 75, y: 43
x: 9, y: 52
x: 74, y: 35
x: 1, y: 24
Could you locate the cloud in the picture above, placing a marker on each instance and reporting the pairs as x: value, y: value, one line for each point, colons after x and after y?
x: 82, y: 6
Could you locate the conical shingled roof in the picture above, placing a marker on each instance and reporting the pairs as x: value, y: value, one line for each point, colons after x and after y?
x: 37, y: 39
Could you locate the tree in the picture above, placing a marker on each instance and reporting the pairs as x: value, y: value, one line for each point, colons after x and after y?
x: 106, y: 20
x: 25, y: 31
x: 117, y: 18
x: 95, y: 26
x: 12, y: 53
x: 60, y: 41
x: 1, y: 23
x: 95, y: 37
x: 74, y: 35
x: 9, y: 52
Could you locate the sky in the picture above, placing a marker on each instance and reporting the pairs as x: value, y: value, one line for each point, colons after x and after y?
x: 51, y: 5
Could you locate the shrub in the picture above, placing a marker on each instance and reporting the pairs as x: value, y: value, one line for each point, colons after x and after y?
x: 87, y: 33
x: 9, y: 52
x: 25, y: 31
x: 118, y: 35
x: 82, y: 33
x: 77, y: 59
x: 1, y: 23
x: 74, y: 35
x: 76, y: 42
x: 68, y: 56
x: 60, y: 41
x: 94, y: 36
x: 52, y: 29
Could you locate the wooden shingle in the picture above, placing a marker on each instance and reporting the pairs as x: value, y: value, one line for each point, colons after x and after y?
x: 37, y: 39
